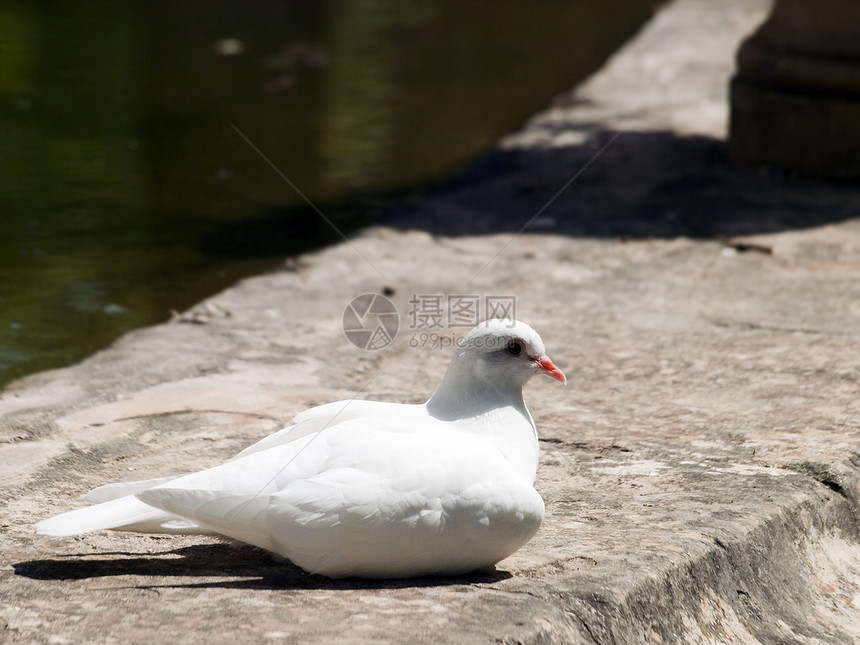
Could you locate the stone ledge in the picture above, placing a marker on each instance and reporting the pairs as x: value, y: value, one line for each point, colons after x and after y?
x: 700, y: 470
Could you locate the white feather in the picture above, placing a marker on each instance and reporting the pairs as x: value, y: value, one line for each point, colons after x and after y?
x: 363, y: 488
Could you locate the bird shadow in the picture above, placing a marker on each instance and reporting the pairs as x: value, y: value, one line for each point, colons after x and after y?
x: 246, y: 567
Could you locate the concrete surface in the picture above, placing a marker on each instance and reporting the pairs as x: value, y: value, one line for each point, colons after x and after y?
x: 701, y: 469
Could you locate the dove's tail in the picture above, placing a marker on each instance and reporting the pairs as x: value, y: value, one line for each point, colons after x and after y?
x: 122, y: 514
x: 120, y: 489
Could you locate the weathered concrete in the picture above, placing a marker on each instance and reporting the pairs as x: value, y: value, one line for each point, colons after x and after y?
x: 701, y: 470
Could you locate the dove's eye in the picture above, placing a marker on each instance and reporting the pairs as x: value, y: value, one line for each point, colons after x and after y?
x: 515, y: 347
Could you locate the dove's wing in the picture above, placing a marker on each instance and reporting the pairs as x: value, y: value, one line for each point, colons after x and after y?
x: 308, y: 422
x: 372, y: 489
x: 127, y: 513
x: 369, y: 499
x: 319, y: 418
x: 228, y: 498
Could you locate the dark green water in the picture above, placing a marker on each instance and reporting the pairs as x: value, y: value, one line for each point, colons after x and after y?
x: 125, y: 193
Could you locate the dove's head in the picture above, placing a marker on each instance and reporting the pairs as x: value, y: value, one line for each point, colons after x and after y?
x: 488, y: 371
x: 507, y: 351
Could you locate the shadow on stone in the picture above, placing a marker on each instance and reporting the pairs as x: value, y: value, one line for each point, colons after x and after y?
x: 259, y: 570
x: 645, y: 184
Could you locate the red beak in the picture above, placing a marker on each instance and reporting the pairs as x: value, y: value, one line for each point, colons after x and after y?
x: 545, y: 365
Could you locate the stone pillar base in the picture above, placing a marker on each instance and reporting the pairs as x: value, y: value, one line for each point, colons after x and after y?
x: 795, y: 100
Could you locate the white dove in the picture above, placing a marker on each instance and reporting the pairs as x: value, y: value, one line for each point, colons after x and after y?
x: 367, y: 488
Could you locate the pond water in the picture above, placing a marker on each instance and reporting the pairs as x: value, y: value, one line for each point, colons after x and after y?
x: 127, y: 190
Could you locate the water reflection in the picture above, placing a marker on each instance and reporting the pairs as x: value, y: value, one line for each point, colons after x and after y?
x: 124, y: 192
